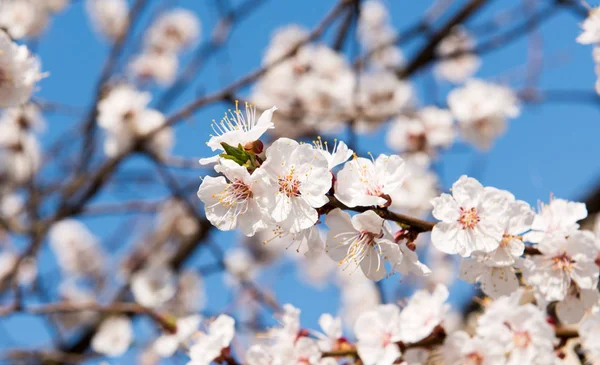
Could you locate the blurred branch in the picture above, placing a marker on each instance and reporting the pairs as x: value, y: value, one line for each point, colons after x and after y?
x: 89, y: 128
x: 427, y: 53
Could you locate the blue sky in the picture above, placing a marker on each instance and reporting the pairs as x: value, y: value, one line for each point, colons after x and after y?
x: 550, y: 148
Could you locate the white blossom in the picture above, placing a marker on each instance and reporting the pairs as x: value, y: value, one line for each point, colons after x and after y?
x: 20, y: 154
x: 23, y: 18
x: 589, y: 332
x: 358, y: 295
x: 125, y: 116
x: 237, y: 201
x: 19, y: 72
x: 113, y: 337
x: 332, y: 332
x: 160, y: 67
x: 238, y: 129
x: 423, y: 313
x: 173, y: 31
x: 377, y: 332
x: 495, y: 281
x: 419, y: 187
x: 521, y: 331
x: 481, y: 109
x: 559, y: 217
x: 430, y: 129
x: 591, y: 28
x: 364, y: 182
x: 299, y: 178
x: 380, y: 96
x: 566, y: 265
x: 190, y: 296
x: 473, y: 218
x: 459, y: 348
x: 26, y: 117
x: 458, y: 62
x: 363, y: 240
x: 76, y: 248
x: 495, y: 270
x: 282, y: 41
x: 109, y: 17
x: 207, y: 346
x: 154, y: 285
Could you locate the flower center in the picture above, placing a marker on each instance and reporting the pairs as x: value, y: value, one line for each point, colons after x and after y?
x: 562, y: 262
x: 387, y: 339
x: 367, y: 238
x: 235, y: 193
x: 174, y: 34
x: 506, y: 238
x: 521, y: 339
x: 417, y: 141
x: 468, y: 218
x: 474, y: 358
x: 289, y: 185
x: 374, y: 190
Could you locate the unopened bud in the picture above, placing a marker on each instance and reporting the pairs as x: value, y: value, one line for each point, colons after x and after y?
x: 254, y: 146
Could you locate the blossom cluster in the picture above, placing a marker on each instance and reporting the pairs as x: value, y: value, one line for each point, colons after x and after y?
x: 355, y: 218
x: 317, y: 89
x: 27, y: 18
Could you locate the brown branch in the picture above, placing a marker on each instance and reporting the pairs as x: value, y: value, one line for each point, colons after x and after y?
x: 412, y: 223
x: 427, y: 53
x: 114, y: 308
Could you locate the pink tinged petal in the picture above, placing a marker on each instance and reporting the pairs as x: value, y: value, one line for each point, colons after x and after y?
x: 368, y: 221
x: 499, y: 281
x: 445, y: 208
x: 444, y: 237
x: 467, y: 191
